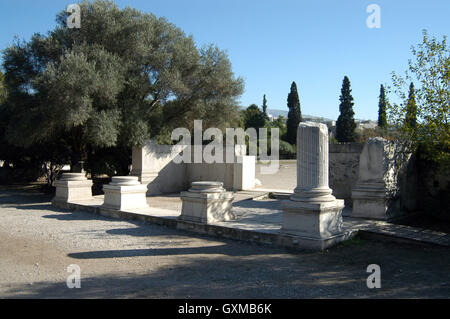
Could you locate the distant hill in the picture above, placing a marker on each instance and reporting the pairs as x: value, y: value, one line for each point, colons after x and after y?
x: 277, y: 113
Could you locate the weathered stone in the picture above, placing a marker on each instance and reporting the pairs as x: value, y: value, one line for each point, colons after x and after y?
x: 206, y: 202
x: 343, y: 169
x: 381, y: 163
x: 153, y: 165
x: 125, y: 193
x: 156, y: 167
x: 312, y: 164
x: 312, y: 213
x: 73, y: 187
x: 207, y: 187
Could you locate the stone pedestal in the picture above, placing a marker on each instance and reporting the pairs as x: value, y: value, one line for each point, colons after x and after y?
x: 125, y: 193
x: 206, y: 202
x: 244, y: 172
x: 380, y: 164
x: 312, y: 213
x: 370, y: 201
x: 73, y: 187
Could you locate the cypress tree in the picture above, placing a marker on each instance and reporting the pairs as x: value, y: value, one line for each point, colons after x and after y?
x: 264, y: 107
x: 345, y: 125
x: 411, y: 109
x: 294, y: 115
x: 382, y: 121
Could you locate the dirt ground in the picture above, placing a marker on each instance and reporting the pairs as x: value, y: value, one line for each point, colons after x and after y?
x: 123, y: 259
x: 285, y: 178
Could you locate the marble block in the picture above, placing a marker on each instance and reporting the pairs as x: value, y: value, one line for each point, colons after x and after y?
x: 206, y: 202
x: 125, y: 193
x: 73, y: 187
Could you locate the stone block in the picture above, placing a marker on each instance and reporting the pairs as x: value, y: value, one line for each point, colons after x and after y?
x: 380, y: 165
x: 314, y: 220
x: 73, y: 187
x: 206, y: 202
x: 244, y: 173
x: 125, y: 193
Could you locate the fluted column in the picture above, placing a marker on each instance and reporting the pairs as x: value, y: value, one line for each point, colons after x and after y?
x: 312, y: 164
x: 312, y: 214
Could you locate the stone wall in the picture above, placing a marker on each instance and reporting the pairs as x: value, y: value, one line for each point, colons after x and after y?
x: 154, y: 165
x: 343, y: 169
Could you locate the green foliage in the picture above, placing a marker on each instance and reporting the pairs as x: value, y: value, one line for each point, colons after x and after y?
x: 287, y: 151
x: 109, y: 161
x: 253, y: 117
x: 382, y: 104
x: 121, y: 78
x: 362, y: 135
x: 422, y: 117
x: 2, y: 88
x: 294, y: 114
x: 280, y: 123
x: 345, y: 124
x: 333, y: 140
x: 411, y: 110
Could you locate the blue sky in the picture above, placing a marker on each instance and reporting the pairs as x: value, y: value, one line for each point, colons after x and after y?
x: 272, y: 43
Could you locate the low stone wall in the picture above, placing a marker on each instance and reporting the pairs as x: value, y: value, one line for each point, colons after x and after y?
x: 343, y: 169
x: 154, y: 165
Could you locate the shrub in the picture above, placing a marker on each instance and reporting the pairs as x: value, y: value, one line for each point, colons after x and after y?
x: 287, y: 151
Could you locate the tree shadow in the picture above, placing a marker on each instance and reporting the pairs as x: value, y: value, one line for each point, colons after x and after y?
x: 19, y: 196
x: 46, y: 206
x: 340, y: 273
x: 205, y: 250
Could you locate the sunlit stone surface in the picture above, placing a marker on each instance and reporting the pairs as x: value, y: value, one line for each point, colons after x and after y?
x: 125, y: 193
x: 206, y: 202
x: 312, y: 213
x: 73, y: 187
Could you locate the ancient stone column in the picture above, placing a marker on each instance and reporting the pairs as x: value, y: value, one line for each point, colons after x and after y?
x: 73, y: 187
x: 206, y: 202
x: 125, y: 193
x: 312, y: 164
x: 312, y: 213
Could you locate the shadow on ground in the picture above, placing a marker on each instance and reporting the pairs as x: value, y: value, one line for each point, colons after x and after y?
x: 232, y: 269
x: 24, y: 196
x: 406, y: 272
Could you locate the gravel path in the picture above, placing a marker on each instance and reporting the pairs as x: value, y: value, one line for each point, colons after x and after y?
x: 123, y: 259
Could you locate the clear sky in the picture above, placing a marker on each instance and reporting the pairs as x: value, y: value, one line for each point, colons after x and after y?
x: 272, y: 43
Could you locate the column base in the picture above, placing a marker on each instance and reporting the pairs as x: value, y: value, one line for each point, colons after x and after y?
x: 125, y: 193
x: 146, y: 178
x: 310, y: 243
x: 369, y: 201
x: 73, y: 187
x: 206, y: 207
x: 320, y: 223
